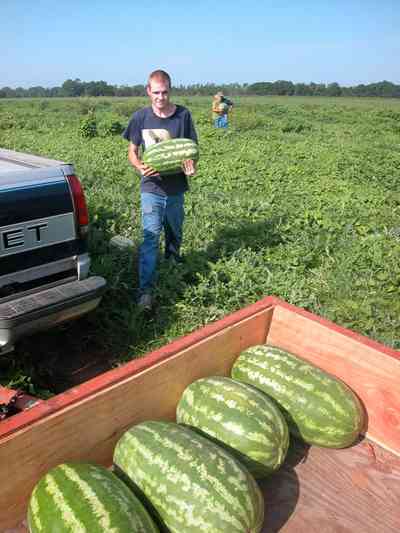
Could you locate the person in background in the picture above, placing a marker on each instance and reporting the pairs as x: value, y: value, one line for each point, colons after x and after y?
x: 162, y: 197
x: 221, y: 106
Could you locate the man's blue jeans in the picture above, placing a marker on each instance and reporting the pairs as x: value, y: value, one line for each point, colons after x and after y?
x: 158, y: 213
x: 221, y: 121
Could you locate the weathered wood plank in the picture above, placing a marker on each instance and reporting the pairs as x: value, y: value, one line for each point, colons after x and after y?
x: 334, y: 491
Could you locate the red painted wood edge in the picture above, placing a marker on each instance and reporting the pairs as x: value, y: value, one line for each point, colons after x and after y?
x: 111, y: 377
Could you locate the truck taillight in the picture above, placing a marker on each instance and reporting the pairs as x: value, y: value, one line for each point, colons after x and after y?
x: 81, y: 210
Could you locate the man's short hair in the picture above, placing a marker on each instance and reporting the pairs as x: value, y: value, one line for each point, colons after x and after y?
x: 159, y: 75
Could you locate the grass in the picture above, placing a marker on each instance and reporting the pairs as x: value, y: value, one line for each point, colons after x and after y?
x: 299, y: 198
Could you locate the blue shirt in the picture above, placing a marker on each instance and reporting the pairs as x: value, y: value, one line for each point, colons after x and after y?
x: 146, y: 128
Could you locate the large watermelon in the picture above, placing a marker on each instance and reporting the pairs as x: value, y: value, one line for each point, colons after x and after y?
x: 85, y: 498
x: 240, y: 417
x: 167, y: 156
x: 319, y: 408
x: 193, y: 485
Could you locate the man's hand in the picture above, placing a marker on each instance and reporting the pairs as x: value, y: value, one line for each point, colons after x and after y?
x: 137, y: 163
x: 147, y: 171
x: 189, y: 167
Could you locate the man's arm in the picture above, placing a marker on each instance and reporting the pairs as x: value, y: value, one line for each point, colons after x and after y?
x: 216, y: 109
x: 136, y: 162
x: 189, y: 166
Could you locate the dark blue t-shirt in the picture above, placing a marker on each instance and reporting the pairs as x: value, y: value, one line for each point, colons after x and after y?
x: 146, y: 128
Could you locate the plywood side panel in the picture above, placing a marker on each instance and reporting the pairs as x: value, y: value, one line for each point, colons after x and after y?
x: 89, y: 429
x: 370, y: 369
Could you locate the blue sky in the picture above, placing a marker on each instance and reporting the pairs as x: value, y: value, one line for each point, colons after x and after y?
x: 346, y: 41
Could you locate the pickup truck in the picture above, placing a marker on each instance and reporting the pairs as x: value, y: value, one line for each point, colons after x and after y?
x: 44, y: 259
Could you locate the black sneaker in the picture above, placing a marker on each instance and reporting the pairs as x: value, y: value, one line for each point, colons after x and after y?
x: 174, y: 258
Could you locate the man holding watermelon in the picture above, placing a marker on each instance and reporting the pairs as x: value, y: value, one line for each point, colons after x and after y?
x: 220, y: 108
x: 162, y: 196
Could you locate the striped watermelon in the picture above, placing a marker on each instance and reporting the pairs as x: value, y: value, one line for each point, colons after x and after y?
x: 240, y: 417
x: 167, y: 156
x: 319, y: 408
x: 85, y: 498
x: 193, y: 484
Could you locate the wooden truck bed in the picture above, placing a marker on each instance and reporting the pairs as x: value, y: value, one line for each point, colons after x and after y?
x: 317, y: 490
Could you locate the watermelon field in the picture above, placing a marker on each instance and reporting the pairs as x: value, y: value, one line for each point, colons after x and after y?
x: 299, y: 198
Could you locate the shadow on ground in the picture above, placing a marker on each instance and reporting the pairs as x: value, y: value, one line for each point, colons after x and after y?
x: 281, y: 491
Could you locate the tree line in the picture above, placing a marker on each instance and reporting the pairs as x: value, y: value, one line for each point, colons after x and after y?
x: 75, y: 88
